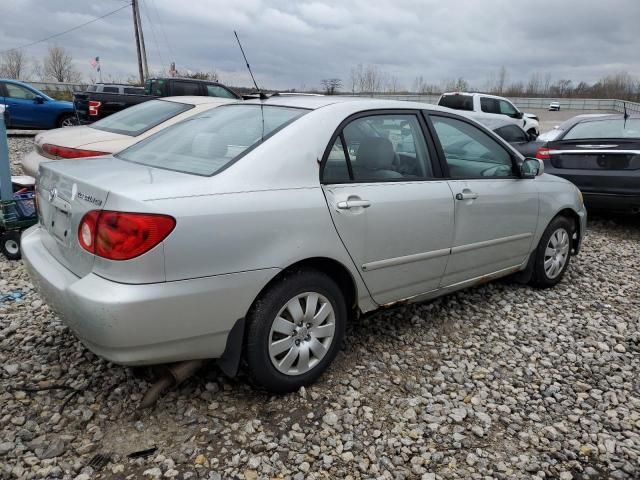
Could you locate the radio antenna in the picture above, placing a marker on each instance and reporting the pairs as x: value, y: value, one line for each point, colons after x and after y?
x: 262, y: 95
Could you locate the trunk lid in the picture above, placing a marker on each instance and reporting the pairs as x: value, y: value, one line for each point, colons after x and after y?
x: 76, y: 137
x: 598, y: 165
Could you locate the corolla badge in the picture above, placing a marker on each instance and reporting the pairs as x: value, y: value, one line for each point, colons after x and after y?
x: 53, y: 193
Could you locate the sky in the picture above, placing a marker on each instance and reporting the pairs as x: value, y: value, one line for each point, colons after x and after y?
x: 297, y: 43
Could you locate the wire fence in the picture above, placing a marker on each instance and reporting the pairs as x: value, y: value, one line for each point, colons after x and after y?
x: 522, y: 103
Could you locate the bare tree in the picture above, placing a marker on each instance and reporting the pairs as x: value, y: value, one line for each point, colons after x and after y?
x: 200, y: 75
x: 13, y: 64
x: 502, y: 80
x: 331, y: 85
x: 58, y: 65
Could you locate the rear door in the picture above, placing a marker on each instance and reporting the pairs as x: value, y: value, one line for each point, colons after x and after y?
x: 496, y: 212
x: 391, y: 208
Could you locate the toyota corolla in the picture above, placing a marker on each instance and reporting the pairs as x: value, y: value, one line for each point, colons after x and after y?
x: 256, y: 231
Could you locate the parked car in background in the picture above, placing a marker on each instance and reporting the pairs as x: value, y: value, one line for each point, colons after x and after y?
x: 115, y: 88
x: 486, y: 106
x: 257, y: 229
x: 522, y: 141
x: 554, y: 106
x: 600, y: 154
x: 94, y: 105
x: 115, y: 132
x: 29, y: 108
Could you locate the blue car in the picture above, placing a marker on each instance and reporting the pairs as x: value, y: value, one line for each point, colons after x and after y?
x: 32, y: 109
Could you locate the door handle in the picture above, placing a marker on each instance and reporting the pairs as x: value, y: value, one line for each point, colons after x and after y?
x: 466, y: 196
x: 346, y: 205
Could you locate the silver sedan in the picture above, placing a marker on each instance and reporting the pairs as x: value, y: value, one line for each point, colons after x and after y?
x: 258, y: 230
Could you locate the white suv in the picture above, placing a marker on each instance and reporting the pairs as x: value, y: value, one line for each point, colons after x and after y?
x: 483, y: 106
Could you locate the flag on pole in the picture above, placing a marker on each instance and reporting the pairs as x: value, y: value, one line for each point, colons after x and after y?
x: 95, y: 63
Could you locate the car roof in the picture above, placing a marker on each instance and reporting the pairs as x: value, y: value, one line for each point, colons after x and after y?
x: 363, y: 103
x: 473, y: 94
x: 592, y: 117
x: 197, y: 99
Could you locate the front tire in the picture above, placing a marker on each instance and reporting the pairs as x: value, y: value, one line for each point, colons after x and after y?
x: 10, y: 245
x: 294, y: 331
x: 553, y: 255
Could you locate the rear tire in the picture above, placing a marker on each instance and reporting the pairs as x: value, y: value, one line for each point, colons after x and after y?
x: 10, y: 245
x: 553, y: 255
x: 294, y: 331
x: 67, y: 120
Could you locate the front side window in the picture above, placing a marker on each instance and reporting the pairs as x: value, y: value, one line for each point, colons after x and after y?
x: 379, y: 148
x: 489, y: 105
x: 512, y: 133
x: 136, y: 120
x: 469, y: 152
x: 208, y: 142
x: 506, y: 108
x: 218, y: 91
x: 19, y: 92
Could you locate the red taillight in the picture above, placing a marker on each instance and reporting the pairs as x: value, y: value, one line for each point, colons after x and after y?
x: 543, y: 154
x: 66, y: 152
x: 122, y: 235
x: 94, y: 108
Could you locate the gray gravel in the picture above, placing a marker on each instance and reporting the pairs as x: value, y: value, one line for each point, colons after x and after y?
x: 501, y: 381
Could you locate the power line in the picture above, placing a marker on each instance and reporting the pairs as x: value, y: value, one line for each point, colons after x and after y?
x: 67, y: 31
x: 164, y: 34
x: 153, y: 32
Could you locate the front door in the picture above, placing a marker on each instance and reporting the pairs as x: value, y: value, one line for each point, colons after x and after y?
x: 390, y: 208
x: 496, y: 211
x: 23, y: 108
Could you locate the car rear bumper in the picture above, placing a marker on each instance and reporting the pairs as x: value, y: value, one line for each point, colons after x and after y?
x: 148, y: 323
x: 31, y: 161
x: 612, y: 202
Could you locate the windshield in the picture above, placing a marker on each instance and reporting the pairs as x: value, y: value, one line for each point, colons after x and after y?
x: 207, y: 143
x: 136, y: 120
x: 611, y: 128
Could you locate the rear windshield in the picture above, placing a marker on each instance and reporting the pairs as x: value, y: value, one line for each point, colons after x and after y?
x: 457, y: 102
x: 207, y: 143
x: 136, y: 120
x: 614, y: 128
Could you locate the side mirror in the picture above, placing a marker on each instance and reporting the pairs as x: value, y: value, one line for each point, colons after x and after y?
x: 532, y: 136
x: 518, y: 115
x: 531, y: 168
x: 38, y: 99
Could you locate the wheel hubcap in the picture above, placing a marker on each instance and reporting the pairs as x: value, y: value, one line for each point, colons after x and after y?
x: 12, y: 247
x: 556, y: 253
x: 67, y: 122
x: 301, y: 333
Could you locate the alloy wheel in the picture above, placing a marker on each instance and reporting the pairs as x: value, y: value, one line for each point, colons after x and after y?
x: 301, y: 333
x: 556, y: 253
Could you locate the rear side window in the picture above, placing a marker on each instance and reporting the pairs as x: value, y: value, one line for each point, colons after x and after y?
x: 489, y: 105
x: 134, y: 91
x: 136, y: 120
x: 218, y: 91
x: 110, y: 89
x: 378, y: 148
x: 185, y: 88
x: 469, y: 152
x: 457, y: 102
x: 92, y: 88
x: 207, y: 143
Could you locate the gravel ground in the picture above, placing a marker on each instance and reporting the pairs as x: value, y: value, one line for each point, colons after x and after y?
x: 501, y: 381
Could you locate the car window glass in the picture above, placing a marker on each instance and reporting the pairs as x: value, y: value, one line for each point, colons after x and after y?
x: 140, y: 118
x: 610, y: 128
x: 469, y: 152
x: 110, y: 89
x: 186, y: 88
x: 208, y: 142
x: 457, y: 102
x: 16, y: 91
x: 134, y: 91
x: 506, y: 108
x: 512, y: 133
x: 336, y: 169
x: 489, y: 105
x: 387, y: 147
x: 218, y: 91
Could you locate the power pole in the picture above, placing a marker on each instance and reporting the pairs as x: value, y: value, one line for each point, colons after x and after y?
x: 142, y: 45
x: 135, y: 29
